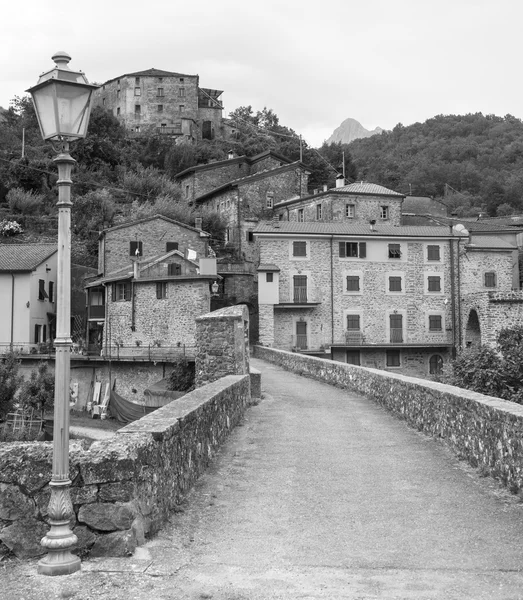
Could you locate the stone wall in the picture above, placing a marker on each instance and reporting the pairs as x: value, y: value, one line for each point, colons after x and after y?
x: 483, y: 430
x: 123, y: 489
x: 222, y: 339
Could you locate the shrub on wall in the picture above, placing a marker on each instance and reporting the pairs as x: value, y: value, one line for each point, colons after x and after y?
x: 182, y: 377
x: 9, y: 382
x: 38, y: 391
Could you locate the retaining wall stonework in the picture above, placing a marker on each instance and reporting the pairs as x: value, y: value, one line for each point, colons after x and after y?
x: 485, y: 431
x: 122, y: 488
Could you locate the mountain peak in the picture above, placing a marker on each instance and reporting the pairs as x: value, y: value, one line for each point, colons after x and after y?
x: 350, y: 130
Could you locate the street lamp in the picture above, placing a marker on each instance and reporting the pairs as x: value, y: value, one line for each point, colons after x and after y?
x: 62, y: 101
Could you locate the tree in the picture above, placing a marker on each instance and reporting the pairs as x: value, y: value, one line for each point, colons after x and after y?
x: 9, y: 382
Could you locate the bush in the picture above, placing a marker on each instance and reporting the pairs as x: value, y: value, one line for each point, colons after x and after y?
x: 26, y: 203
x: 38, y: 391
x: 182, y: 377
x: 9, y: 382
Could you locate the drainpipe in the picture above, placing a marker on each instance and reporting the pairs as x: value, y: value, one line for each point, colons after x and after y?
x: 332, y: 292
x: 133, y: 326
x: 452, y: 295
x: 239, y: 228
x: 12, y: 309
x: 460, y: 335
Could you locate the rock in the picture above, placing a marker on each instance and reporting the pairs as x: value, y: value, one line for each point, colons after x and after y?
x: 14, y: 504
x: 23, y: 538
x: 103, y: 516
x: 138, y: 528
x: 119, y: 543
x: 84, y: 494
x: 117, y: 492
x: 86, y: 538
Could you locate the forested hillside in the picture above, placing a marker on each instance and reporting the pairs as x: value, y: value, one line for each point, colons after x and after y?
x: 474, y: 162
x: 119, y: 177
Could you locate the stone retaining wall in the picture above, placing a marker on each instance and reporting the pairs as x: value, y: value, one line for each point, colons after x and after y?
x: 485, y: 431
x: 122, y: 488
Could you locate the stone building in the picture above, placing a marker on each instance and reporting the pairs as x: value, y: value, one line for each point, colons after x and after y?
x: 165, y: 103
x: 382, y: 296
x: 355, y: 203
x: 155, y: 278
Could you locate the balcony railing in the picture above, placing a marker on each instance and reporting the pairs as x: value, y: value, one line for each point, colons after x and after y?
x: 300, y: 294
x: 353, y: 337
x: 176, y: 130
x: 396, y: 335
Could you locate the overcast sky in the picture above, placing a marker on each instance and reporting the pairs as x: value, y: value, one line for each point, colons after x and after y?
x: 315, y: 64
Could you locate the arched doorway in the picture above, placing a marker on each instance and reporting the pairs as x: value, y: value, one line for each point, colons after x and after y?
x: 473, y: 330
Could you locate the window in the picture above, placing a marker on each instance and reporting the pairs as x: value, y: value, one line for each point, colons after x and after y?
x: 395, y: 283
x: 137, y: 128
x: 169, y: 246
x: 353, y: 283
x: 136, y: 81
x: 353, y: 249
x: 393, y: 358
x: 433, y: 253
x: 181, y: 108
x: 51, y: 291
x: 350, y: 210
x: 318, y: 212
x: 135, y: 249
x: 394, y: 251
x: 160, y: 91
x: 163, y: 125
x: 187, y: 190
x: 161, y: 290
x: 353, y: 357
x: 490, y: 279
x: 181, y: 80
x: 121, y: 291
x: 137, y: 109
x: 384, y: 212
x: 103, y: 101
x: 269, y: 200
x: 435, y: 323
x: 269, y: 277
x: 434, y: 283
x: 181, y: 92
x: 299, y: 248
x: 300, y: 215
x: 160, y: 79
x: 118, y: 112
x: 396, y: 328
x: 160, y: 107
x: 38, y: 333
x: 250, y: 236
x: 118, y: 94
x: 353, y: 322
x: 300, y: 288
x: 174, y: 269
x: 137, y: 91
x: 435, y: 364
x: 42, y: 294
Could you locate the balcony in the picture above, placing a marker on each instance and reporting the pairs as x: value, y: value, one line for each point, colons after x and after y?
x: 300, y: 294
x: 172, y: 130
x: 96, y: 313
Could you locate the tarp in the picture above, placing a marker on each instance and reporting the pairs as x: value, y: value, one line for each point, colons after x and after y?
x: 126, y: 412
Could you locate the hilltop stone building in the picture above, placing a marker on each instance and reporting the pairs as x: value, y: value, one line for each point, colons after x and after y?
x: 165, y: 103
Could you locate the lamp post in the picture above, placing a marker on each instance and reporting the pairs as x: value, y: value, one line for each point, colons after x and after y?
x: 62, y: 101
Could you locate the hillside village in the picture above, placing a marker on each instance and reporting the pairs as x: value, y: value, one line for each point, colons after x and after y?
x: 357, y: 273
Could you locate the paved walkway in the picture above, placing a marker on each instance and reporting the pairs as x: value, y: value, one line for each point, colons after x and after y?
x: 320, y: 494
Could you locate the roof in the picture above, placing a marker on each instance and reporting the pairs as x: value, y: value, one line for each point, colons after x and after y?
x: 151, y: 73
x: 24, y: 257
x: 268, y: 267
x: 247, y: 159
x: 344, y: 228
x: 248, y: 179
x: 370, y: 189
x: 138, y: 221
x: 489, y: 242
x: 474, y: 224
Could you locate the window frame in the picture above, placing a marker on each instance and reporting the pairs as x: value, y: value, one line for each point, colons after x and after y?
x: 42, y: 294
x: 429, y: 258
x: 395, y: 279
x: 394, y: 251
x: 393, y: 355
x: 269, y: 277
x: 121, y: 291
x: 319, y: 211
x: 384, y: 212
x: 133, y: 245
x: 359, y: 247
x: 294, y: 246
x: 161, y: 290
x: 301, y: 215
x: 431, y: 281
x: 354, y: 279
x: 350, y: 211
x: 493, y: 274
x: 431, y: 319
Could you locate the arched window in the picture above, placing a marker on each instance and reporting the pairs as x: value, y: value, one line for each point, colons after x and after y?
x: 435, y: 364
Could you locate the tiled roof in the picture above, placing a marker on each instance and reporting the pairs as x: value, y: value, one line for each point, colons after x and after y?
x: 372, y: 189
x: 150, y: 73
x: 489, y: 242
x: 475, y: 225
x: 138, y: 221
x: 24, y: 257
x: 345, y: 228
x: 268, y: 267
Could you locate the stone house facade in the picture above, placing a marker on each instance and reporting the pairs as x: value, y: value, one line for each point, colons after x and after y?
x: 397, y: 298
x: 163, y: 102
x: 353, y: 203
x: 154, y: 279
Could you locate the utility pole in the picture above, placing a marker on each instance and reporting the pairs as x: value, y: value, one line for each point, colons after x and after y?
x: 301, y: 149
x: 23, y: 142
x: 343, y: 163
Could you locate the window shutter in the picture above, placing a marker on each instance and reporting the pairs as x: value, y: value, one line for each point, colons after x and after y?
x: 342, y: 250
x: 363, y: 249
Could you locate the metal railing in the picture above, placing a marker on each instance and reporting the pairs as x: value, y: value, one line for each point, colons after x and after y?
x: 300, y: 294
x: 149, y: 352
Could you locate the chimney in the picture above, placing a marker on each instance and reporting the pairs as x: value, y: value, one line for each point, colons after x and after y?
x: 136, y: 268
x: 372, y: 222
x: 325, y: 187
x: 340, y: 181
x: 198, y: 223
x: 230, y: 155
x: 275, y: 220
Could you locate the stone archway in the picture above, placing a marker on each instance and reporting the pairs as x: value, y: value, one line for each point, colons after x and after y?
x: 473, y: 330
